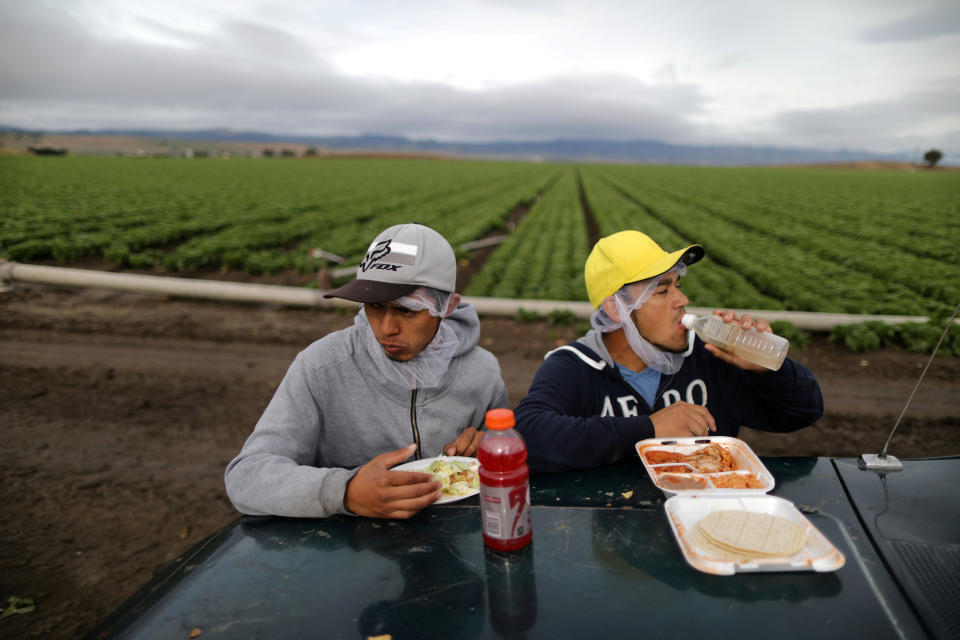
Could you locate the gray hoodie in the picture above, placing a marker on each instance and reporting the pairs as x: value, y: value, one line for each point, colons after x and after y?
x: 334, y: 411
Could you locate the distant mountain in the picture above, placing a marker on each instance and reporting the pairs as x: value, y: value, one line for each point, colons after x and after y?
x: 559, y: 150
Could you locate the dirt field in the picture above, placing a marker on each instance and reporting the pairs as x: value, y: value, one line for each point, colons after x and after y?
x: 120, y: 412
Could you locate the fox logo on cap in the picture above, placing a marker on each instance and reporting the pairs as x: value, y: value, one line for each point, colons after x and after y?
x: 377, y: 251
x: 400, y: 259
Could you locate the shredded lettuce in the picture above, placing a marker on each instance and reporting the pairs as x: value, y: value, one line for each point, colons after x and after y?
x: 458, y: 477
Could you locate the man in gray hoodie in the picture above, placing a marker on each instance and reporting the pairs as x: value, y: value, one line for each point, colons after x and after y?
x: 407, y: 379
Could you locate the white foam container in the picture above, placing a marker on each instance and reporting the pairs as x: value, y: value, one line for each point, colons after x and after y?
x: 686, y: 504
x: 689, y: 483
x: 683, y: 512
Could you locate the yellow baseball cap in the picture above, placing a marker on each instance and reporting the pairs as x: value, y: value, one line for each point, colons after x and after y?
x: 629, y: 256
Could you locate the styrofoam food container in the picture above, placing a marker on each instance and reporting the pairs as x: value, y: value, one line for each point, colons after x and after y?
x: 690, y: 483
x: 684, y: 511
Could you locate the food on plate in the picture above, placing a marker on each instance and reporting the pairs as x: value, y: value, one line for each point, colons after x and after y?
x: 712, y: 458
x: 458, y: 477
x: 745, y: 535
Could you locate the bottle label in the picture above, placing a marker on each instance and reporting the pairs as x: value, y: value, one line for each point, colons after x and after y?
x: 506, y: 511
x: 721, y: 333
x: 765, y: 349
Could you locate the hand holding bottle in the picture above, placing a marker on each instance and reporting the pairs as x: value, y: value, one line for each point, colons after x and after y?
x: 748, y: 344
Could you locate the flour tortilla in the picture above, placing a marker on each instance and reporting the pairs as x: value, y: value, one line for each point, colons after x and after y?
x: 736, y: 535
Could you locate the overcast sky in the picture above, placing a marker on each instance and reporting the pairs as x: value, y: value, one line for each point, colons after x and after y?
x: 877, y: 75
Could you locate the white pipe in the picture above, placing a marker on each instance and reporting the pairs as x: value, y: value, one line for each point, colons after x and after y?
x: 807, y: 320
x: 304, y: 297
x: 184, y: 287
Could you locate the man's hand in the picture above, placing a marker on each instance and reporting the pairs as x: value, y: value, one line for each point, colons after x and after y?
x: 682, y: 420
x: 377, y: 492
x: 466, y: 443
x: 746, y: 322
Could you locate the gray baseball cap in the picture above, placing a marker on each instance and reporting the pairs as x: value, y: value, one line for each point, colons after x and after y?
x: 398, y: 261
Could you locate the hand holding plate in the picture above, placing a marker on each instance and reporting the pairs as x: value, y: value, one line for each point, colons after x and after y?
x: 378, y: 492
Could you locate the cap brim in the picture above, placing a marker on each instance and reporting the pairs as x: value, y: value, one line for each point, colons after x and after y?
x: 371, y: 291
x: 693, y: 253
x: 688, y: 256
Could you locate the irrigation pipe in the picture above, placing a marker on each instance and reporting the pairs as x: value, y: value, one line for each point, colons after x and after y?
x: 12, y: 272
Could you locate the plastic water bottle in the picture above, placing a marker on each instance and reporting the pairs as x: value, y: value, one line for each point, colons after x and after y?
x: 504, y: 484
x: 765, y: 349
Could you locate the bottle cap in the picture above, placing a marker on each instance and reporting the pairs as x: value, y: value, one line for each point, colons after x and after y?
x: 687, y: 320
x: 499, y: 419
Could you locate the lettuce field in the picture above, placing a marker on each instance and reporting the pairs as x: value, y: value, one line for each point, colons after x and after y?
x: 831, y: 240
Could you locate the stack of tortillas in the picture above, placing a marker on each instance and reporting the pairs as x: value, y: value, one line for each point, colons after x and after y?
x: 744, y: 535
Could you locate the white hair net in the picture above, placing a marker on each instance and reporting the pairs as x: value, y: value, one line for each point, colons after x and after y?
x: 427, y: 368
x: 628, y: 299
x: 438, y: 303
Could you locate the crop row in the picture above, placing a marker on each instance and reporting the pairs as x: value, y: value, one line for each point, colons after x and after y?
x: 708, y: 284
x: 786, y: 253
x: 543, y: 258
x: 816, y: 240
x: 256, y: 216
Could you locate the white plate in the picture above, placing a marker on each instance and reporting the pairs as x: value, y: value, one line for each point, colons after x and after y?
x: 683, y: 512
x: 423, y: 466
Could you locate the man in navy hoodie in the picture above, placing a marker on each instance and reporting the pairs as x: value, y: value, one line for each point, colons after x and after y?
x: 640, y: 374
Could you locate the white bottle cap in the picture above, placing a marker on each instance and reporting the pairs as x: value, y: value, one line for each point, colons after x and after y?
x: 687, y: 320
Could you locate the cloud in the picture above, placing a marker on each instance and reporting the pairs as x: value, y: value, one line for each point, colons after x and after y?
x: 241, y: 65
x: 925, y: 116
x: 61, y: 73
x: 924, y: 25
x: 611, y: 107
x: 248, y: 75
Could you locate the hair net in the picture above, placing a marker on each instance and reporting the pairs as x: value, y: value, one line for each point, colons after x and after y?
x: 628, y: 299
x: 438, y: 303
x: 427, y: 368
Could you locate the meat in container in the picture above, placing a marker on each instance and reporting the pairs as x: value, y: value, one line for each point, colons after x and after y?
x: 715, y: 465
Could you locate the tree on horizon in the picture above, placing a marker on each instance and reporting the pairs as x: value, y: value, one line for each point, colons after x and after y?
x: 932, y: 157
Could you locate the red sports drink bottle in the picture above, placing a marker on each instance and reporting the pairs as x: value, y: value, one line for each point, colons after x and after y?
x: 504, y: 484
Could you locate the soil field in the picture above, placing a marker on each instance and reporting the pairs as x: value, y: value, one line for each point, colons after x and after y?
x: 120, y: 412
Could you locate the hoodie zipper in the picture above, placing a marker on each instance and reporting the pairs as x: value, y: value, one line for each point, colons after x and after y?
x: 413, y: 423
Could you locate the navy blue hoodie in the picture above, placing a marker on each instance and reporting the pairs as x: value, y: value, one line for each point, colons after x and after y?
x: 580, y: 413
